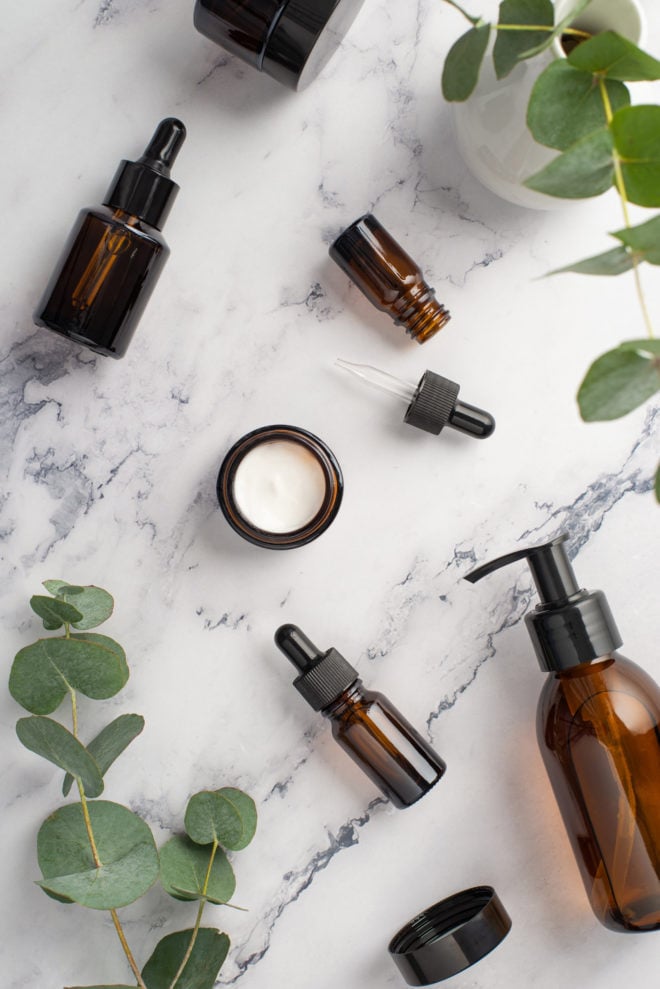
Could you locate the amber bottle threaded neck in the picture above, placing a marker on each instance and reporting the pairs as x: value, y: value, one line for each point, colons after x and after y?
x: 420, y: 313
x: 389, y: 277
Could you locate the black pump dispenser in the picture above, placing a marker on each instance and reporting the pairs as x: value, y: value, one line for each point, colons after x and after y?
x: 571, y: 625
x: 324, y: 676
x: 144, y: 188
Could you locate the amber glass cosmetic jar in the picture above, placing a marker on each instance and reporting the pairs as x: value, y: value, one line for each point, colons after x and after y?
x: 280, y: 487
x: 291, y: 40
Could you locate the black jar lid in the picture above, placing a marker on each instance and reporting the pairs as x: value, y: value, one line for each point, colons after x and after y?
x: 306, y: 37
x: 450, y: 936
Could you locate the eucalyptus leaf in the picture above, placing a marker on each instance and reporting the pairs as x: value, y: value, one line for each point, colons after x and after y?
x: 206, y: 960
x: 657, y: 485
x: 644, y: 240
x: 54, y: 742
x: 102, y: 987
x: 559, y: 29
x: 43, y: 672
x: 611, y: 55
x: 54, y: 613
x: 110, y: 743
x: 126, y: 849
x: 565, y: 105
x: 585, y: 170
x: 614, y: 262
x: 512, y: 46
x: 227, y: 816
x: 95, y: 604
x: 619, y: 381
x: 183, y: 869
x: 463, y: 62
x: 636, y: 134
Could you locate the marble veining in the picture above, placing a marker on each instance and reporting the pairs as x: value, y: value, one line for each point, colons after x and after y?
x: 109, y: 473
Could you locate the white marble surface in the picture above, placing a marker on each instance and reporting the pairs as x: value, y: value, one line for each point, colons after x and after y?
x: 109, y: 471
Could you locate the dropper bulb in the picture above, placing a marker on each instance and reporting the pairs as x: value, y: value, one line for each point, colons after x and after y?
x: 297, y: 647
x: 471, y: 420
x: 164, y: 146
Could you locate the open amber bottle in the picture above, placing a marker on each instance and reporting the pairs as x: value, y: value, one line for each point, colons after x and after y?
x: 598, y: 729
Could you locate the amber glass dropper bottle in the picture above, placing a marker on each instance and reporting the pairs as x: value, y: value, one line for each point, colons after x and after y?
x: 599, y: 732
x: 366, y: 725
x: 115, y: 252
x: 389, y: 277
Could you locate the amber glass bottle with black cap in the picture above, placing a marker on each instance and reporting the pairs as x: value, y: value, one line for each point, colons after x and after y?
x: 389, y: 277
x: 366, y: 724
x: 115, y: 252
x: 599, y: 733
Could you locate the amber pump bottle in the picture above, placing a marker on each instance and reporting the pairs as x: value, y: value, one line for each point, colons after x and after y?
x: 599, y: 732
x: 375, y: 735
x: 389, y: 277
x: 115, y: 252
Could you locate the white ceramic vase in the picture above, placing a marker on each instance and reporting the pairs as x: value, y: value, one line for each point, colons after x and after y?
x: 490, y: 127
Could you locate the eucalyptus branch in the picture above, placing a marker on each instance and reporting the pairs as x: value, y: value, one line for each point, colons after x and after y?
x: 95, y: 665
x: 623, y: 195
x: 472, y: 20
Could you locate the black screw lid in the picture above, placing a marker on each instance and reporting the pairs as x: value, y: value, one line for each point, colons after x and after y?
x: 433, y: 404
x: 144, y: 188
x: 324, y: 676
x: 450, y: 936
x: 305, y: 37
x: 571, y: 625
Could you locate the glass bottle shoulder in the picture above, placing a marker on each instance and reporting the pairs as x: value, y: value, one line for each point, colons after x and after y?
x: 133, y: 225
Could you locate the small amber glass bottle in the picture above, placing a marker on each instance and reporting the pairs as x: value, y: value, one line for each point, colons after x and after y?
x: 115, y: 252
x: 366, y: 725
x: 389, y: 277
x: 598, y: 727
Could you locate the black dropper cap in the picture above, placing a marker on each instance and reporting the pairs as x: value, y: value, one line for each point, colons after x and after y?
x: 144, y: 188
x: 450, y: 936
x: 436, y: 405
x: 570, y: 626
x: 324, y: 676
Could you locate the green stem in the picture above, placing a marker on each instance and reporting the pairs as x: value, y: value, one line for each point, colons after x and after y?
x: 95, y: 853
x: 472, y: 20
x: 198, y: 920
x: 542, y: 27
x: 623, y: 195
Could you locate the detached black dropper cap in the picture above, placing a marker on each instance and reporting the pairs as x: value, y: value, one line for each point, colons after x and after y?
x: 571, y: 625
x: 324, y: 676
x: 144, y: 188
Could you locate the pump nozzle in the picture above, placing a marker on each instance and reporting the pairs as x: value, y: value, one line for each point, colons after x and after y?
x: 550, y: 566
x: 571, y: 625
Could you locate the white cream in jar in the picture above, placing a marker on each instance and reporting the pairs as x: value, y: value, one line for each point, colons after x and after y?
x: 279, y: 486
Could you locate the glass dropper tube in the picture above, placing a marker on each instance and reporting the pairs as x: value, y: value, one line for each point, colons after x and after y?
x: 380, y: 379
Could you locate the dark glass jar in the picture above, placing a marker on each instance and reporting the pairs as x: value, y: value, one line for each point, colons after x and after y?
x: 280, y: 487
x: 290, y: 40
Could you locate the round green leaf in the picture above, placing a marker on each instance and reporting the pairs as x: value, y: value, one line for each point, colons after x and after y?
x: 586, y: 169
x: 611, y: 55
x: 54, y: 742
x: 618, y: 382
x: 227, y: 816
x: 126, y: 848
x: 52, y: 612
x: 201, y: 971
x: 42, y: 673
x: 565, y: 105
x: 463, y: 62
x: 94, y: 604
x: 512, y: 46
x: 636, y: 133
x: 110, y: 743
x: 183, y: 868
